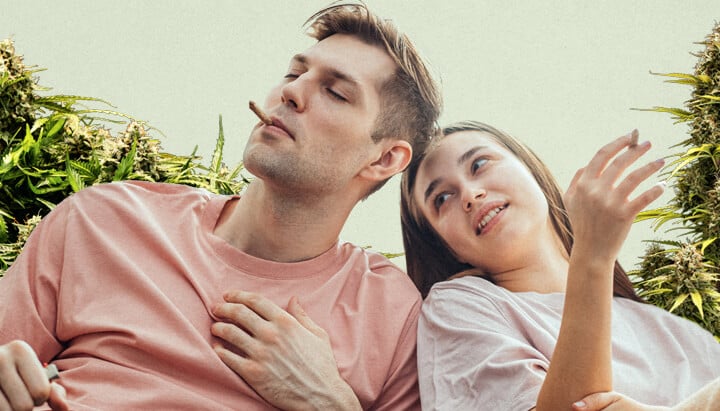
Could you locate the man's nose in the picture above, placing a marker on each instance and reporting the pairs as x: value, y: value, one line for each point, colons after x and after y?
x: 292, y: 95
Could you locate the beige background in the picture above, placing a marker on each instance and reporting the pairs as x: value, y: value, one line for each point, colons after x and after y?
x: 561, y: 75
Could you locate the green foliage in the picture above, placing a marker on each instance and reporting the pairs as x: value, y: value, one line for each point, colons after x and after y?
x: 51, y: 147
x: 682, y: 281
x: 682, y: 276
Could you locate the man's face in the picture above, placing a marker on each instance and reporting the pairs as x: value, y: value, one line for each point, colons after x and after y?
x: 323, y: 114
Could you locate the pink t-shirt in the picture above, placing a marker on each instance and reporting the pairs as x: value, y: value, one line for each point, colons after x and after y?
x: 482, y: 347
x: 117, y: 284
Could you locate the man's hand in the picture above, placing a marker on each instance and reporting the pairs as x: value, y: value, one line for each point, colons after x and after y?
x: 23, y: 382
x: 283, y: 355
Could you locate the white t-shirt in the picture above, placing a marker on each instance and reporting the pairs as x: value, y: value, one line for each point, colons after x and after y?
x: 482, y: 347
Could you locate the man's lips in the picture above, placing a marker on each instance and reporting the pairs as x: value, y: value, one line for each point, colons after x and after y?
x: 276, y: 122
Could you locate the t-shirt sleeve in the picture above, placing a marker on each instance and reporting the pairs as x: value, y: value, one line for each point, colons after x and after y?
x: 472, y: 356
x: 401, y: 391
x: 29, y: 289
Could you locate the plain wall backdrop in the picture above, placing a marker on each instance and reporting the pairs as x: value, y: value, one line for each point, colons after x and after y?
x: 564, y: 76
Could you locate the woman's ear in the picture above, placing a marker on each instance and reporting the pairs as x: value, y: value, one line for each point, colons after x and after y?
x: 394, y: 157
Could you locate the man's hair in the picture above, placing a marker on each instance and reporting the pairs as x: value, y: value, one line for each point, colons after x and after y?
x: 429, y: 259
x: 410, y: 101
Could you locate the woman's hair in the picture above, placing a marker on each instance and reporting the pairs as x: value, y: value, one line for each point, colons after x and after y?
x: 428, y: 257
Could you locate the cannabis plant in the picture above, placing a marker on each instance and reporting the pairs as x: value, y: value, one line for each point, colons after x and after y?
x: 53, y: 146
x: 682, y: 275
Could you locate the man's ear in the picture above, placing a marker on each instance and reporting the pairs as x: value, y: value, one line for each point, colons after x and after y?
x: 393, y: 159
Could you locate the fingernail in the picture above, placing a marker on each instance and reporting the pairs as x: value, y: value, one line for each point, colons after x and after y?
x: 580, y: 404
x: 662, y: 184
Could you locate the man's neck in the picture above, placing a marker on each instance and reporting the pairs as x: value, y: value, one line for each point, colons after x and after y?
x: 281, y: 228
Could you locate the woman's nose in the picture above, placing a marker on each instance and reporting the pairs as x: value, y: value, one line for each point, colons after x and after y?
x: 472, y: 196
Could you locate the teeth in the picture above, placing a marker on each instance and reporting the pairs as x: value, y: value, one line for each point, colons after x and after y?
x: 489, y: 216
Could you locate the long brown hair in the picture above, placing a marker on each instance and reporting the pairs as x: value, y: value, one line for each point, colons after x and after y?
x: 428, y: 257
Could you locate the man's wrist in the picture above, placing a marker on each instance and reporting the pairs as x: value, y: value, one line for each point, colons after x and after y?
x: 343, y: 398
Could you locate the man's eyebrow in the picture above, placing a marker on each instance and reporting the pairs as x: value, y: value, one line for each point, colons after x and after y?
x: 303, y: 59
x: 461, y: 160
x: 299, y: 58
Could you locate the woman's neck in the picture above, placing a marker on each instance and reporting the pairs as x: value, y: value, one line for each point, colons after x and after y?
x: 544, y: 269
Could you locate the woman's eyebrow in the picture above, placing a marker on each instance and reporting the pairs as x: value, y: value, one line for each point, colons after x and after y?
x: 468, y: 154
x: 461, y: 160
x: 430, y: 188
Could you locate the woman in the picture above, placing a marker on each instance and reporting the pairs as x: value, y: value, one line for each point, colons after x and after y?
x: 488, y: 240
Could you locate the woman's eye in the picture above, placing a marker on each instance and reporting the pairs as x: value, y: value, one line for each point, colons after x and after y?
x: 440, y: 200
x: 477, y: 164
x: 292, y: 75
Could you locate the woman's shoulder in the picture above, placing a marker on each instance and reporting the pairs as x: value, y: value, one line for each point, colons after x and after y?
x: 662, y: 321
x: 470, y: 294
x: 466, y: 285
x: 474, y: 303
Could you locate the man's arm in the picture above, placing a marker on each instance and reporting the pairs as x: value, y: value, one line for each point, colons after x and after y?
x: 283, y: 355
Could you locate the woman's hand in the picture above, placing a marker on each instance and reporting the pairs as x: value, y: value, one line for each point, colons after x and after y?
x: 612, y: 401
x: 598, y: 199
x: 601, y: 214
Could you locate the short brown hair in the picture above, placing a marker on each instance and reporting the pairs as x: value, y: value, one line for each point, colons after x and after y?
x: 411, y: 100
x: 430, y: 260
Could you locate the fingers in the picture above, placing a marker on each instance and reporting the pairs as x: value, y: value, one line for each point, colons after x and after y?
x: 235, y: 361
x: 22, y: 377
x: 636, y: 177
x: 296, y: 310
x: 58, y: 398
x: 578, y: 175
x: 610, y: 150
x: 620, y: 163
x: 603, y: 179
x: 253, y: 320
x: 597, y: 401
x: 647, y: 197
x: 250, y: 311
x: 235, y: 336
x: 257, y: 303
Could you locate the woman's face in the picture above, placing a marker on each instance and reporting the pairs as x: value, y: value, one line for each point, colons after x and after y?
x: 483, y: 201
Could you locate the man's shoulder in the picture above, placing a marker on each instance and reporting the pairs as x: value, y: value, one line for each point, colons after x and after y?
x: 124, y: 191
x: 134, y: 186
x: 377, y: 268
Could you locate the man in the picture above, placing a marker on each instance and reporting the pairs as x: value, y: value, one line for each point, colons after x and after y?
x: 152, y: 296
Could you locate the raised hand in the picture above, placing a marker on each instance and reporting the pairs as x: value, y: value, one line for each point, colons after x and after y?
x: 23, y: 382
x: 601, y: 212
x: 283, y: 355
x: 598, y: 199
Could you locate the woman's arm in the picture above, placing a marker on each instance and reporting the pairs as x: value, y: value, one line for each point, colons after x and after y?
x: 601, y: 214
